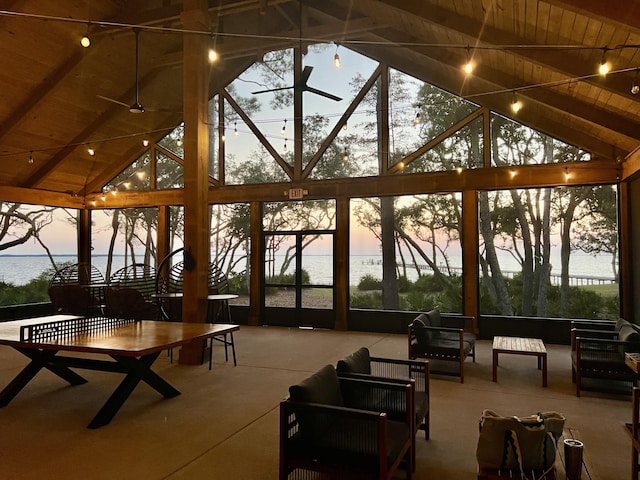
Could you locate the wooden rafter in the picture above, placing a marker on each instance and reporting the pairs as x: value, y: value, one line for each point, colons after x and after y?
x: 342, y: 122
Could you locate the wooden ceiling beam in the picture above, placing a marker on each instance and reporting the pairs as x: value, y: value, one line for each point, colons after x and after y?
x: 563, y: 62
x: 451, y: 80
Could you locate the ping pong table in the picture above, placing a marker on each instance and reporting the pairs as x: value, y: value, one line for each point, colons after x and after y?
x: 133, y: 346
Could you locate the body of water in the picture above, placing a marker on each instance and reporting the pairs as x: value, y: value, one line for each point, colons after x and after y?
x: 20, y: 269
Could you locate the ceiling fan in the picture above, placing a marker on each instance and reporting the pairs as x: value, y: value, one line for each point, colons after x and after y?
x: 302, y: 85
x: 135, y: 107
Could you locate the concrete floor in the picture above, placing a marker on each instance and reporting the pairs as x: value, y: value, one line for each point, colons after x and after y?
x: 225, y: 423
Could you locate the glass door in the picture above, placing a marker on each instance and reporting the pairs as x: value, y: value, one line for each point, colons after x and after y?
x: 299, y: 279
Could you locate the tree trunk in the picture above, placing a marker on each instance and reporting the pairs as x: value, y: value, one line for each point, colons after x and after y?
x: 497, y: 280
x: 390, y: 292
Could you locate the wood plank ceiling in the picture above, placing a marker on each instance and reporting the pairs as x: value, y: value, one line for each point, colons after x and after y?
x: 55, y: 93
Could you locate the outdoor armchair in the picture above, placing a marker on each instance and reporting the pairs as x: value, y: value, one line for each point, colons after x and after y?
x: 598, y: 353
x: 437, y: 336
x: 321, y: 431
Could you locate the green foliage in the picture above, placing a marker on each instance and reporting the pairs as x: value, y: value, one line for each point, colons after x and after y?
x: 35, y: 291
x: 238, y: 283
x: 371, y: 301
x: 290, y: 278
x: 369, y: 282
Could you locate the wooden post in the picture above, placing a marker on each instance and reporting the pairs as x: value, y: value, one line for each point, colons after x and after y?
x: 341, y: 253
x: 470, y: 246
x: 257, y: 265
x: 195, y: 17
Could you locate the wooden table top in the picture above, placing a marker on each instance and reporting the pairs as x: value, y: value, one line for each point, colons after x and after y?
x: 136, y: 339
x: 519, y: 344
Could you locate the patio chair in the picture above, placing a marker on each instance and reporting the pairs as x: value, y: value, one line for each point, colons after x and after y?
x: 361, y: 364
x: 323, y: 436
x: 441, y: 337
x: 71, y: 299
x: 85, y: 275
x: 139, y: 276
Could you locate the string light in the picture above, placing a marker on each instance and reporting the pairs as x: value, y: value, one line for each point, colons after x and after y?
x: 516, y: 105
x: 30, y: 158
x: 283, y: 132
x: 345, y: 156
x: 567, y: 175
x: 91, y: 151
x: 468, y: 67
x: 512, y: 173
x: 145, y: 142
x: 345, y: 127
x: 85, y: 41
x: 235, y: 129
x: 213, y: 55
x: 418, y: 117
x: 285, y: 149
x: 336, y: 58
x: 459, y: 170
x: 604, y: 67
x: 635, y: 87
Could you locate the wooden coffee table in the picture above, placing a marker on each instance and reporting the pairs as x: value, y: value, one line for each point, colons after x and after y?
x: 520, y: 346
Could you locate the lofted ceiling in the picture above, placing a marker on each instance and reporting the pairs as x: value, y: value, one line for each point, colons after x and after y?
x: 58, y: 98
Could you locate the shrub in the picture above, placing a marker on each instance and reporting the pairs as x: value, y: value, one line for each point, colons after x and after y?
x: 369, y: 282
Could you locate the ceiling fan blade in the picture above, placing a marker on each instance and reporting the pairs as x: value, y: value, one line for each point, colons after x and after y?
x: 321, y: 93
x: 305, y: 74
x: 271, y: 90
x: 113, y: 100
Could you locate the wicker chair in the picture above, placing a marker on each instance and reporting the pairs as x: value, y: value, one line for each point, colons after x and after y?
x: 322, y: 434
x: 77, y: 289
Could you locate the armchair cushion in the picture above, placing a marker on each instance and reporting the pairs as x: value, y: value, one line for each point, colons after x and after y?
x: 435, y: 319
x: 422, y: 335
x: 627, y: 333
x: 322, y: 387
x: 358, y: 362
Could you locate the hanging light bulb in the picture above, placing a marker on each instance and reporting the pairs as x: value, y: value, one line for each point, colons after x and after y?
x: 336, y: 58
x: 345, y: 127
x: 604, y: 67
x: 516, y: 105
x: 468, y: 67
x: 91, y: 151
x: 635, y: 87
x: 30, y: 158
x: 285, y: 149
x: 283, y: 132
x: 213, y: 55
x: 418, y: 118
x: 345, y: 156
x: 85, y: 41
x: 235, y: 129
x: 145, y: 142
x: 567, y: 175
x: 223, y: 138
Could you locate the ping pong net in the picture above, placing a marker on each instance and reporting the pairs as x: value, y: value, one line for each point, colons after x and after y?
x: 64, y: 329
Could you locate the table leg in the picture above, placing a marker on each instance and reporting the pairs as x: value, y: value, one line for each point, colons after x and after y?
x: 39, y: 359
x: 495, y: 365
x: 544, y: 369
x: 138, y: 369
